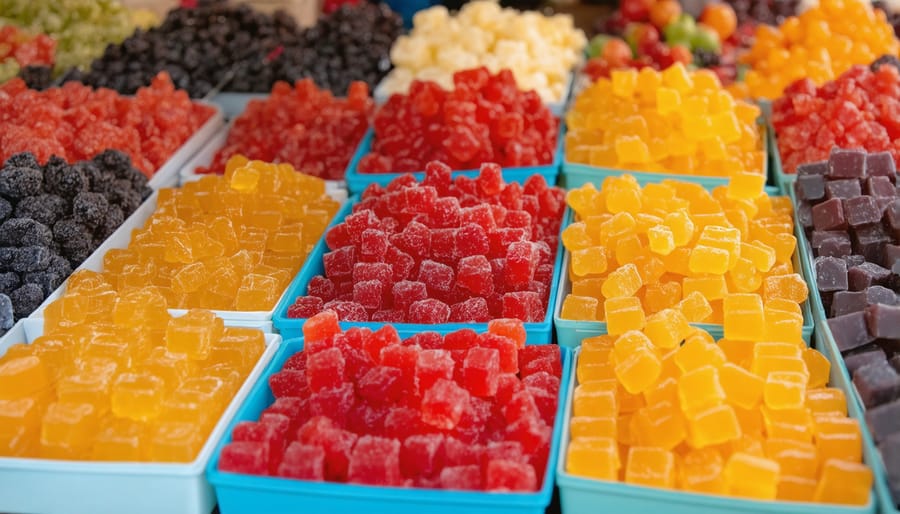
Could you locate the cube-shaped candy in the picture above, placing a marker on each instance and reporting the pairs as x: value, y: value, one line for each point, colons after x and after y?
x: 193, y: 334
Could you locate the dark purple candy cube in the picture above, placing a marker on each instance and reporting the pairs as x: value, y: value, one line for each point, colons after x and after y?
x: 861, y: 210
x: 865, y: 275
x: 877, y: 383
x: 813, y: 168
x: 850, y: 331
x: 863, y: 357
x: 829, y: 215
x: 831, y: 274
x: 880, y: 294
x: 810, y: 188
x: 838, y: 247
x: 845, y: 302
x: 853, y: 260
x: 883, y: 321
x: 847, y: 163
x: 891, y: 255
x: 884, y: 420
x: 890, y: 455
x: 804, y: 215
x: 820, y: 236
x: 869, y: 241
x: 892, y: 218
x: 880, y: 187
x: 843, y: 189
x: 880, y: 164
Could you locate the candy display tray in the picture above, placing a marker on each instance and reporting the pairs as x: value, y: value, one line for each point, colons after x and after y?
x: 289, y: 328
x: 580, y: 495
x: 204, y: 157
x: 246, y: 494
x: 233, y: 104
x: 576, y: 174
x: 571, y: 332
x: 357, y: 182
x: 122, y: 236
x: 168, y: 174
x: 82, y: 487
x: 557, y: 108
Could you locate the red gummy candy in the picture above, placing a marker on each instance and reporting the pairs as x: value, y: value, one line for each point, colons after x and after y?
x: 512, y: 329
x: 337, y: 444
x: 429, y: 312
x: 507, y: 475
x: 250, y: 457
x: 325, y: 369
x: 466, y: 478
x: 443, y: 404
x: 375, y: 461
x: 304, y: 462
x: 481, y: 371
x: 321, y: 326
x: 422, y: 455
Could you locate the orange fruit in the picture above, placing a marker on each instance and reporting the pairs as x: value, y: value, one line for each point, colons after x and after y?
x: 664, y: 12
x: 721, y: 18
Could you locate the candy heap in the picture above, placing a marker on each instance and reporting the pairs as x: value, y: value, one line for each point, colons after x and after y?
x: 81, y: 28
x: 540, y: 50
x: 461, y: 411
x: 741, y: 418
x: 674, y: 252
x: 441, y: 250
x: 198, y: 46
x: 115, y: 378
x: 77, y: 122
x: 19, y: 49
x: 860, y: 109
x: 227, y: 243
x: 53, y: 217
x: 820, y: 44
x: 671, y: 122
x: 486, y: 119
x: 303, y: 126
x: 850, y: 210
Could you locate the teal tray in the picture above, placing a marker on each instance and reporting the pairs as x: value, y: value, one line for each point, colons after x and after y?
x: 246, y: 494
x: 570, y: 333
x: 585, y: 496
x: 357, y: 182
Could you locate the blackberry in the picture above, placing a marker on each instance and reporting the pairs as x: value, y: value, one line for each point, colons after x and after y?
x: 890, y: 60
x: 705, y: 58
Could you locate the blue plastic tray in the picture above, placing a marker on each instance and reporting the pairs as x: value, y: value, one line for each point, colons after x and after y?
x: 584, y: 495
x: 357, y: 182
x: 537, y: 333
x: 240, y: 494
x: 570, y: 333
x: 576, y: 175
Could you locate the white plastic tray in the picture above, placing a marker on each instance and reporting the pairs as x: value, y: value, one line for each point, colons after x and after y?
x: 233, y: 104
x: 337, y: 189
x: 558, y: 107
x: 167, y: 174
x: 80, y: 487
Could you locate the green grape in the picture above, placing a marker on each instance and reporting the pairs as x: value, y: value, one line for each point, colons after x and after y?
x: 9, y: 68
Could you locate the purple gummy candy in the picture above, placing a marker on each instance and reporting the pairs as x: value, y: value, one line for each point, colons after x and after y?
x: 861, y: 210
x: 850, y: 331
x: 804, y: 215
x: 883, y: 321
x: 877, y: 383
x: 880, y: 187
x: 813, y: 168
x: 853, y: 260
x: 829, y: 215
x: 847, y: 163
x: 880, y: 164
x: 845, y: 302
x: 843, y: 189
x: 837, y: 247
x: 831, y: 274
x: 891, y: 255
x: 865, y: 275
x: 863, y: 357
x: 810, y: 188
x: 869, y: 241
x: 890, y: 455
x: 880, y: 294
x: 892, y: 218
x: 884, y: 420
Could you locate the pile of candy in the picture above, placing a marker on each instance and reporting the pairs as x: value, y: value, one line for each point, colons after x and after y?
x: 671, y: 122
x: 81, y: 28
x: 819, y: 44
x: 642, y: 257
x: 53, y: 217
x: 198, y: 46
x: 850, y: 210
x: 18, y: 49
x: 860, y: 109
x: 76, y: 122
x: 540, y: 50
x: 485, y: 119
x: 441, y: 250
x: 741, y: 418
x: 303, y: 126
x: 115, y: 378
x: 461, y: 411
x: 226, y: 243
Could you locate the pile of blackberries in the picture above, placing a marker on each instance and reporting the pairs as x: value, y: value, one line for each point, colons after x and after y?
x: 199, y: 46
x: 771, y: 12
x: 53, y: 217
